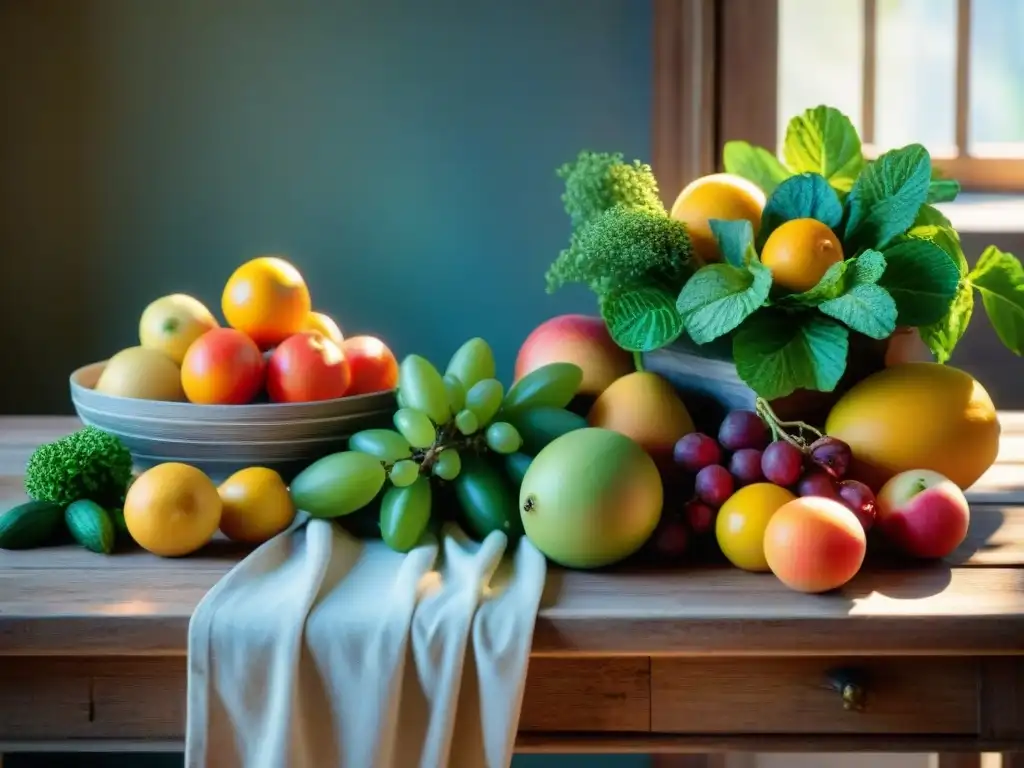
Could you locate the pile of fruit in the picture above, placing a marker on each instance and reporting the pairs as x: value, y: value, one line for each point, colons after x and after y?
x: 275, y: 347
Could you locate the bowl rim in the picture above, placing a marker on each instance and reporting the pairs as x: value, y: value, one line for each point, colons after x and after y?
x: 179, y: 407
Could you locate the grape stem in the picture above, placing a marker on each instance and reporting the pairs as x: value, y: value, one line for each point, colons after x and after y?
x: 448, y: 438
x: 778, y: 426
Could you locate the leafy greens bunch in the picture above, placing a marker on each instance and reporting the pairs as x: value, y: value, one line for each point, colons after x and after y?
x: 904, y: 267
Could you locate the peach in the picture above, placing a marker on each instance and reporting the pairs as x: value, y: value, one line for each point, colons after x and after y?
x: 814, y: 544
x: 922, y: 512
x: 579, y: 339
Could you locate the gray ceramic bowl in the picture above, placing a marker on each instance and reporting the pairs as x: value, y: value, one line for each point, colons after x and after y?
x: 221, y: 439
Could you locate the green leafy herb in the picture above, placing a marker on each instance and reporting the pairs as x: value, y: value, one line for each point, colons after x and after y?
x: 755, y: 164
x: 864, y: 306
x: 623, y: 248
x: 720, y: 296
x: 807, y: 196
x: 999, y: 278
x: 943, y: 190
x: 735, y: 240
x: 778, y: 353
x: 829, y: 287
x: 922, y: 278
x: 597, y: 181
x: 642, y: 319
x: 823, y: 141
x: 887, y: 196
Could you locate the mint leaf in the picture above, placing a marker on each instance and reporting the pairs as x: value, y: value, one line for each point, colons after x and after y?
x: 735, y: 240
x: 829, y: 287
x: 865, y: 307
x: 778, y: 353
x: 932, y: 226
x: 999, y: 278
x: 922, y: 278
x: 720, y: 296
x: 755, y: 164
x: 887, y: 196
x: 823, y: 140
x: 943, y: 190
x: 641, y: 319
x: 807, y: 196
x: 943, y: 336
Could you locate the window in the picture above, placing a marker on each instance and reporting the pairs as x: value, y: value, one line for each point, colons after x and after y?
x: 946, y: 73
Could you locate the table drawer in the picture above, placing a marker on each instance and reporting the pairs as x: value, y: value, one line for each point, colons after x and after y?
x: 793, y: 696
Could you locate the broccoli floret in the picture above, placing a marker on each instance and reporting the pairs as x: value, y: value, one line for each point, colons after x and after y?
x: 625, y: 247
x: 87, y: 464
x: 598, y: 181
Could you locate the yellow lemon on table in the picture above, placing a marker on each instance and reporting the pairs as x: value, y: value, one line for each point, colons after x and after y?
x: 742, y: 521
x: 256, y: 505
x: 172, y: 509
x: 144, y: 374
x: 170, y: 324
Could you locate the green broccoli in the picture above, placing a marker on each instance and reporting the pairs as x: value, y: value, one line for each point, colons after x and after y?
x: 597, y: 181
x: 87, y: 464
x: 623, y: 248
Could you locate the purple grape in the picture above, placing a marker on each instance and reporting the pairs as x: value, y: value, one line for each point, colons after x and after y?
x: 861, y: 501
x: 745, y: 466
x: 695, y: 451
x: 671, y: 537
x: 714, y: 485
x: 743, y: 429
x: 817, y: 483
x: 699, y: 515
x: 782, y: 463
x: 832, y: 455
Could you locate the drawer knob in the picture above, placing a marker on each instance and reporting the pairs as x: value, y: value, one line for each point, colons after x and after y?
x: 850, y: 684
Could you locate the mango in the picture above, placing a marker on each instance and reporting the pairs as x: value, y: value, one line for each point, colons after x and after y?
x: 917, y: 416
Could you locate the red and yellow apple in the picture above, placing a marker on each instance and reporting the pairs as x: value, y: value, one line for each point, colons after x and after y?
x: 579, y: 339
x: 923, y: 513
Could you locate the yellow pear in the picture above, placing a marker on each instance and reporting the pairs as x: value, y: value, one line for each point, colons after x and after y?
x: 171, y: 323
x: 141, y: 373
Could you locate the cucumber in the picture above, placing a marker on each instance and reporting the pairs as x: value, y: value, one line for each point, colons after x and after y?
x: 91, y: 526
x: 551, y: 386
x: 516, y: 465
x: 488, y: 501
x: 30, y: 525
x: 539, y: 426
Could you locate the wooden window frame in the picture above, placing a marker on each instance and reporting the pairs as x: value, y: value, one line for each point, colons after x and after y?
x: 704, y: 96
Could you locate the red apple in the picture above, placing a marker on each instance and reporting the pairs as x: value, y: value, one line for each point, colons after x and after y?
x: 923, y: 513
x: 579, y: 339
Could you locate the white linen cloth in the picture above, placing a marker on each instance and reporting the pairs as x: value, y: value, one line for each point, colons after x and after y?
x: 320, y: 650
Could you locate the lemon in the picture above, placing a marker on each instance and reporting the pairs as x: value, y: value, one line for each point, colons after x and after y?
x: 141, y: 373
x: 171, y: 323
x: 172, y: 509
x: 256, y: 505
x: 800, y: 252
x: 742, y: 521
x: 716, y: 196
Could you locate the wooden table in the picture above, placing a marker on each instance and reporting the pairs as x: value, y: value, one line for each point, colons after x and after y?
x: 92, y: 647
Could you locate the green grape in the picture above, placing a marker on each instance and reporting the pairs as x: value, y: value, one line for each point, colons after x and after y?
x: 415, y: 427
x: 456, y: 394
x: 484, y: 399
x: 404, y: 473
x: 472, y: 362
x: 448, y: 464
x: 399, y: 399
x: 405, y: 515
x: 384, y: 444
x: 466, y: 422
x: 423, y: 388
x: 502, y: 437
x: 551, y: 386
x: 338, y: 484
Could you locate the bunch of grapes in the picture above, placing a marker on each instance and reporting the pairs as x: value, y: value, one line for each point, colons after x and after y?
x: 458, y: 430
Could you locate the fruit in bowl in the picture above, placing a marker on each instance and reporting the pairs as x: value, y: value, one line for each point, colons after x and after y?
x: 267, y: 299
x: 222, y: 367
x: 142, y: 373
x: 170, y: 324
x: 306, y: 367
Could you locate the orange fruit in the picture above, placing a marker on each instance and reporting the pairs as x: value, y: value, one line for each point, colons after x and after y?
x: 717, y: 196
x: 172, y: 509
x: 742, y: 521
x: 170, y: 324
x: 800, y: 252
x: 256, y: 504
x: 321, y: 323
x: 374, y: 367
x: 222, y: 367
x: 267, y: 299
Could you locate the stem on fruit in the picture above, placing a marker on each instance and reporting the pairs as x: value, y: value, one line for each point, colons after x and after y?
x: 638, y: 361
x: 778, y: 426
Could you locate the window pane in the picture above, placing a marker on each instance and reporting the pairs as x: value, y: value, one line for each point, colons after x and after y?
x: 997, y: 78
x: 915, y: 93
x: 821, y: 47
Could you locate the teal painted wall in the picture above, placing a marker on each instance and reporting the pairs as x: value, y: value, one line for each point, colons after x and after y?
x: 401, y: 153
